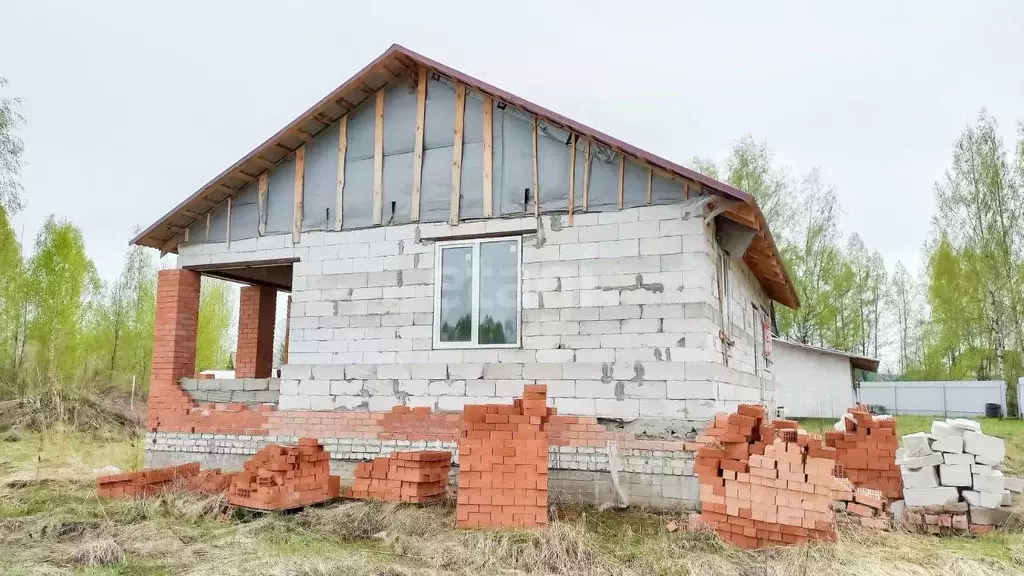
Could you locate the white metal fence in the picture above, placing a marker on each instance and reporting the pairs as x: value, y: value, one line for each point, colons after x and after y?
x: 936, y: 398
x: 1020, y: 395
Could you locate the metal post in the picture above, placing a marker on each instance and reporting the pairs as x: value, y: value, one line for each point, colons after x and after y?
x: 131, y: 403
x: 943, y: 388
x: 895, y: 402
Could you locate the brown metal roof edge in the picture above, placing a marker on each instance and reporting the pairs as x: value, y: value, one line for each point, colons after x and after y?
x: 536, y: 109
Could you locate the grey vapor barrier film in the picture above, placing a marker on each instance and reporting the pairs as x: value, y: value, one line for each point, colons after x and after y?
x: 357, y: 200
x: 471, y: 200
x: 399, y: 141
x: 604, y: 179
x: 245, y: 211
x: 513, y: 161
x: 553, y: 154
x: 320, y: 180
x: 281, y: 197
x: 438, y: 138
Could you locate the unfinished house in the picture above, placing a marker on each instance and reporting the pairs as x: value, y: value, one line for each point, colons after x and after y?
x: 443, y: 243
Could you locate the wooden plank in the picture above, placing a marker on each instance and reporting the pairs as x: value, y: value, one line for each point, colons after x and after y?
x: 207, y: 226
x: 586, y: 174
x: 261, y: 202
x: 227, y: 232
x: 536, y: 173
x: 300, y: 169
x: 572, y: 174
x: 622, y: 176
x: 488, y: 157
x: 378, y: 160
x: 686, y: 190
x: 417, y: 156
x: 339, y: 204
x: 650, y: 185
x: 460, y: 118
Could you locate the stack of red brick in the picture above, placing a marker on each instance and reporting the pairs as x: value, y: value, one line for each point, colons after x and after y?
x: 210, y: 481
x: 867, y: 452
x: 866, y: 505
x: 282, y: 477
x: 145, y: 483
x: 416, y: 477
x: 764, y: 484
x: 503, y: 463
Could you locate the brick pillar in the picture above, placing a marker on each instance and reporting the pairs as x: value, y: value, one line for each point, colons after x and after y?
x: 256, y: 311
x: 174, y: 346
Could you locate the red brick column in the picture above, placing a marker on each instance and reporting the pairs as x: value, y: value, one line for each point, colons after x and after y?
x: 256, y: 311
x: 174, y: 346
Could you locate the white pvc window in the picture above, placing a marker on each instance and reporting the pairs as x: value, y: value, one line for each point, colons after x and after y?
x: 477, y: 293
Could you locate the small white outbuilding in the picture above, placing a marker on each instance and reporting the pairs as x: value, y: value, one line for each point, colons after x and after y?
x: 813, y: 382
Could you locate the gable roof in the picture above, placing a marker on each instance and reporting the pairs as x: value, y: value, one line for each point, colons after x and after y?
x: 762, y: 257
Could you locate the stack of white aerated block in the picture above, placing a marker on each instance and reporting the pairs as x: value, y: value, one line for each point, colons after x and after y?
x: 955, y: 463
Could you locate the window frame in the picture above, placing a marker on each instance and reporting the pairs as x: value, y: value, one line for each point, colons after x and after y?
x: 475, y: 243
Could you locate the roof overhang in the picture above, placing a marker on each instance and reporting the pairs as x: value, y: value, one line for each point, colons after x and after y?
x: 865, y: 363
x: 397, y: 63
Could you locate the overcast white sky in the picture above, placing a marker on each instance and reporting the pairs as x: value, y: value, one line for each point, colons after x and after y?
x: 132, y: 106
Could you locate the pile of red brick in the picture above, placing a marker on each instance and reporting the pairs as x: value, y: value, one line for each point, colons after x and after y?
x: 765, y: 483
x: 145, y: 483
x: 283, y: 477
x: 417, y: 477
x: 503, y: 463
x: 210, y: 481
x: 867, y: 452
x: 866, y: 505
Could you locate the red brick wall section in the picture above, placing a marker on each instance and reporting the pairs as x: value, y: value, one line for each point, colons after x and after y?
x: 284, y: 477
x: 503, y: 463
x: 867, y: 452
x: 255, y: 354
x: 416, y: 477
x: 145, y: 483
x: 174, y: 345
x: 763, y: 484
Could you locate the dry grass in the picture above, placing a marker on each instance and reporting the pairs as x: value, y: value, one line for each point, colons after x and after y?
x: 52, y: 523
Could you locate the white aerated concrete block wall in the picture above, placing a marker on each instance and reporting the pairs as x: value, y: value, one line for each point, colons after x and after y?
x: 620, y: 318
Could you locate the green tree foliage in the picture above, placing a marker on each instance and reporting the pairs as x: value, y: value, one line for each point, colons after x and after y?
x: 975, y: 277
x: 63, y: 285
x: 122, y: 334
x: 215, y: 315
x: 841, y: 288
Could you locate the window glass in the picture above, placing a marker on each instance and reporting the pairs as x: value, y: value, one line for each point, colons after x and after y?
x: 477, y: 298
x: 456, y: 294
x: 499, y: 292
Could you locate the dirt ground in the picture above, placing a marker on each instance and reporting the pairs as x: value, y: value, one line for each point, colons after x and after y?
x: 52, y: 523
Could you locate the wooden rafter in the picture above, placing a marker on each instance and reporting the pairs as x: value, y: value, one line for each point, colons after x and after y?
x: 262, y: 188
x: 572, y: 174
x: 300, y: 168
x: 378, y: 159
x: 460, y: 118
x: 586, y: 175
x: 417, y: 156
x: 488, y: 152
x: 339, y: 202
x: 536, y: 173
